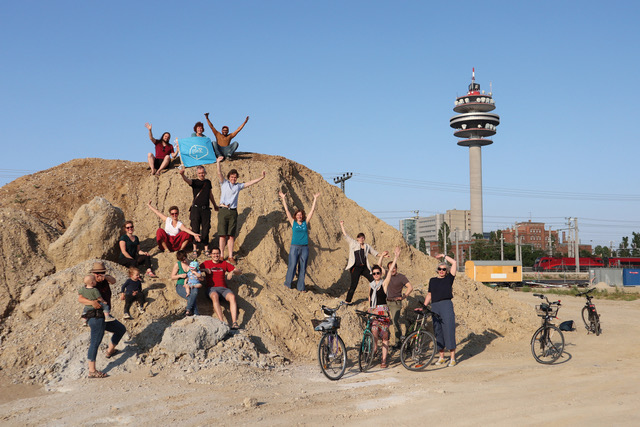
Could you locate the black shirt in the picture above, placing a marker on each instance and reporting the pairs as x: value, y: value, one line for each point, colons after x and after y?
x: 201, y: 191
x: 441, y: 289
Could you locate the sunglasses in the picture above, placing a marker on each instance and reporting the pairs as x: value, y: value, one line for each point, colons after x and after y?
x: 442, y: 269
x: 376, y: 273
x: 129, y: 227
x: 173, y: 213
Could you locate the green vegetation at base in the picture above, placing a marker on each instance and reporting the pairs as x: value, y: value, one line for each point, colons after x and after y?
x: 616, y: 295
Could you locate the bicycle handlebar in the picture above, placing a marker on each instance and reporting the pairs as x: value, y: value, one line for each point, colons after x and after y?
x: 585, y: 292
x: 366, y: 313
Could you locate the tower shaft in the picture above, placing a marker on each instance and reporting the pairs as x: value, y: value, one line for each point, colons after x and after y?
x: 475, y: 185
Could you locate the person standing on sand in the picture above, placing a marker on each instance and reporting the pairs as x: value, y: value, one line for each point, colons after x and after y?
x: 164, y: 151
x: 97, y: 324
x: 223, y: 146
x: 358, y: 263
x: 228, y: 213
x: 200, y: 211
x: 440, y: 294
x: 299, y: 251
x: 397, y: 282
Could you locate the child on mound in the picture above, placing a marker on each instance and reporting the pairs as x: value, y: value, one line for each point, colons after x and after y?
x: 132, y: 291
x: 194, y: 277
x: 90, y: 292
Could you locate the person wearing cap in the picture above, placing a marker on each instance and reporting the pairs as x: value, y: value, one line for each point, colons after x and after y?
x: 222, y: 146
x: 98, y: 325
x: 228, y: 213
x: 440, y: 294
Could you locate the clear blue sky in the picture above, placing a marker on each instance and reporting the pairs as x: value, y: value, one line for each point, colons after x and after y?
x: 345, y: 86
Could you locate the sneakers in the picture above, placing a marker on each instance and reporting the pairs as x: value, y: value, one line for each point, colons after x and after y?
x: 440, y: 362
x: 141, y: 309
x: 109, y: 318
x: 452, y: 363
x: 126, y: 316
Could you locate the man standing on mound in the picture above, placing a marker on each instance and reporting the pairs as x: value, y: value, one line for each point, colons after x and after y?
x: 228, y: 213
x: 397, y: 282
x: 223, y: 146
x: 218, y: 272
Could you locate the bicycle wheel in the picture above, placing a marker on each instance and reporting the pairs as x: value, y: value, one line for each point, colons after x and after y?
x: 585, y: 318
x: 365, y: 355
x: 418, y: 350
x: 595, y: 322
x: 547, y: 344
x: 332, y: 356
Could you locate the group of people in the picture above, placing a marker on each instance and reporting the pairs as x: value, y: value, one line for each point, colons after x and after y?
x: 165, y: 152
x: 387, y: 290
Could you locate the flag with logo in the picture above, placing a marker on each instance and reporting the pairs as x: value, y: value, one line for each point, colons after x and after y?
x: 195, y: 151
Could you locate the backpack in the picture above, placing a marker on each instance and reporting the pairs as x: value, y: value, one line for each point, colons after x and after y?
x: 567, y: 326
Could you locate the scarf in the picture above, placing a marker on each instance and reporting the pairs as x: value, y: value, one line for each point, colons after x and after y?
x: 374, y: 297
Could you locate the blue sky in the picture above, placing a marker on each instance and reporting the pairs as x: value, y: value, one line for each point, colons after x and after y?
x: 346, y: 86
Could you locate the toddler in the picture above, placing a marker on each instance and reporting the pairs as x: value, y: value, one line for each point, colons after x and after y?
x: 193, y: 277
x: 90, y: 292
x: 132, y: 291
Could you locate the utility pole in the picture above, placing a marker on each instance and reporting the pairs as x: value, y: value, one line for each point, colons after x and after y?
x: 457, y: 247
x: 550, y: 243
x: 342, y: 179
x: 577, y: 244
x: 517, y: 242
x: 501, y: 247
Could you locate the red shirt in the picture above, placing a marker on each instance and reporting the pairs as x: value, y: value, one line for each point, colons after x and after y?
x: 163, y: 150
x: 217, y: 277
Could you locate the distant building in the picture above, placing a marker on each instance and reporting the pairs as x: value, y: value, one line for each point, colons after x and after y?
x: 427, y: 227
x: 532, y: 234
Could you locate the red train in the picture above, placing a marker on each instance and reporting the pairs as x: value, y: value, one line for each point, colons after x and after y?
x: 569, y: 264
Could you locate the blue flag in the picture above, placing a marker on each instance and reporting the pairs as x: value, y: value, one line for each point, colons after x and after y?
x: 196, y: 151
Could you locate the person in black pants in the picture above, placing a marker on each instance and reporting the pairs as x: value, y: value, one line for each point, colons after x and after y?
x: 200, y: 209
x: 132, y: 291
x: 130, y: 253
x: 358, y: 264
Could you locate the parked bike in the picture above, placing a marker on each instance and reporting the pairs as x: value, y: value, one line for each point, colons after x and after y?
x: 332, y: 354
x: 419, y: 347
x: 547, y: 343
x: 590, y: 316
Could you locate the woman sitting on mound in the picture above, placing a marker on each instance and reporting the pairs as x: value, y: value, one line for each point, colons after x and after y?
x: 175, y: 236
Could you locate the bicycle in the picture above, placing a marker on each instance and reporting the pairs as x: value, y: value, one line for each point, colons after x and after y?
x: 365, y: 352
x: 547, y: 343
x: 419, y: 347
x: 590, y: 316
x: 332, y: 354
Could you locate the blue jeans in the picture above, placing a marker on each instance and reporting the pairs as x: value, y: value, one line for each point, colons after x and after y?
x: 225, y: 151
x: 191, y: 300
x: 98, y: 327
x: 298, y: 255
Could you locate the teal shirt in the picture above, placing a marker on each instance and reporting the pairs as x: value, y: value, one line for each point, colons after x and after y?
x: 300, y: 234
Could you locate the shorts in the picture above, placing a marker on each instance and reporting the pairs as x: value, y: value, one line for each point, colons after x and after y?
x: 227, y: 221
x: 157, y: 163
x: 223, y: 292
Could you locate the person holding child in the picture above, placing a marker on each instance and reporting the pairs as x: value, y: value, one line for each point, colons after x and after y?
x: 97, y: 323
x: 90, y: 292
x: 132, y: 291
x: 179, y: 274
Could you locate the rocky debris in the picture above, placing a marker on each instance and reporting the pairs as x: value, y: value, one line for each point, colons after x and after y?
x: 191, y: 334
x: 93, y: 233
x: 23, y: 241
x: 42, y: 314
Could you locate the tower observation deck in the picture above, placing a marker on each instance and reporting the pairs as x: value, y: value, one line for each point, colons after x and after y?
x: 475, y: 124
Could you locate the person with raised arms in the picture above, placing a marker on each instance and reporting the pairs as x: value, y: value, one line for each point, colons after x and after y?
x: 164, y: 152
x: 175, y: 236
x: 228, y: 213
x: 223, y: 146
x: 200, y: 211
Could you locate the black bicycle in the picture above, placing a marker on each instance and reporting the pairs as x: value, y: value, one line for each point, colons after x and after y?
x: 367, y: 345
x: 419, y: 347
x: 332, y: 354
x: 590, y: 316
x: 547, y: 343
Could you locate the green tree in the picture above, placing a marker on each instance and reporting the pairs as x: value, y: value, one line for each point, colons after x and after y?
x: 602, y: 251
x: 624, y: 247
x: 485, y: 250
x: 585, y: 253
x: 422, y: 246
x: 635, y: 244
x: 443, y: 234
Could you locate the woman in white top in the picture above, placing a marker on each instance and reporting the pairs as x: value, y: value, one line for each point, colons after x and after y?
x: 175, y: 236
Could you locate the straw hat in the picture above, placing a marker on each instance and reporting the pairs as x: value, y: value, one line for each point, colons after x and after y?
x: 98, y: 267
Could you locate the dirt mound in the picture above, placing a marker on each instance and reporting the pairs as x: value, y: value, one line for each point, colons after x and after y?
x: 276, y: 320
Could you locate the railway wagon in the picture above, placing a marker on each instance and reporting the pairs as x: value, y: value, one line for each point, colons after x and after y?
x: 507, y: 273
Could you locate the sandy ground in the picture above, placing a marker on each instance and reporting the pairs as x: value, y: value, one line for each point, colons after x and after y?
x: 595, y: 383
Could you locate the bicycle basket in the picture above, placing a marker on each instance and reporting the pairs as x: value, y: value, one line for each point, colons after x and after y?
x: 326, y: 324
x: 545, y: 309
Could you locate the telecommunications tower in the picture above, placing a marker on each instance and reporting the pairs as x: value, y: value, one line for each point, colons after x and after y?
x: 475, y: 124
